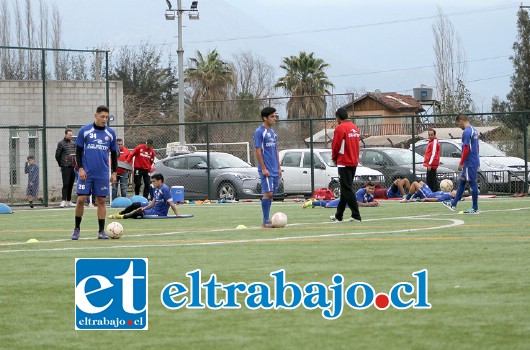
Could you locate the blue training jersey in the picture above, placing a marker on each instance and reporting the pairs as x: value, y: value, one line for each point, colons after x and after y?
x: 161, y: 196
x: 441, y: 196
x: 266, y: 140
x: 364, y: 197
x: 96, y: 144
x: 470, y: 138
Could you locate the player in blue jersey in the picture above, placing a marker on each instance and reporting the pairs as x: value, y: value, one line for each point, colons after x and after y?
x: 365, y: 196
x: 421, y: 192
x: 159, y: 205
x: 93, y: 144
x: 469, y: 164
x: 266, y: 144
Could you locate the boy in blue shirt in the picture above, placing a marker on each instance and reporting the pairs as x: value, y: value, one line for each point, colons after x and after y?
x: 266, y: 144
x: 32, y: 169
x: 159, y: 205
x: 93, y: 144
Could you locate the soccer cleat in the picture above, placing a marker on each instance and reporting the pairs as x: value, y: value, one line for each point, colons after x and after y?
x: 116, y: 216
x: 449, y: 205
x: 353, y: 219
x: 71, y: 204
x: 75, y: 235
x: 334, y: 218
x: 102, y: 235
x: 63, y: 204
x: 308, y: 204
x: 471, y: 211
x: 267, y: 224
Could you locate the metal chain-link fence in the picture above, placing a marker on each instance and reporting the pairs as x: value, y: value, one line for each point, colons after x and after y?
x: 503, y: 148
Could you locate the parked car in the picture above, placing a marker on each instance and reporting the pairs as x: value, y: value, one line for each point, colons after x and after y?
x: 231, y: 178
x: 296, y: 169
x: 397, y: 163
x: 496, y: 170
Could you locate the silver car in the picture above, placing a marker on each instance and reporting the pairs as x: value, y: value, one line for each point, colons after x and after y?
x: 229, y: 177
x: 497, y: 170
x: 296, y: 170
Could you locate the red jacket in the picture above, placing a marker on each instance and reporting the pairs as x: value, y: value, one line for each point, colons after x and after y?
x: 345, y: 144
x: 432, y: 154
x: 124, y: 155
x: 143, y: 157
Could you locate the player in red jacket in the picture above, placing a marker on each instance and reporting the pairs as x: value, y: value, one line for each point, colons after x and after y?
x: 345, y: 153
x: 144, y: 156
x: 431, y: 160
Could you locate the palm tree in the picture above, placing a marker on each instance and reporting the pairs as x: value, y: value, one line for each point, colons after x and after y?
x: 305, y: 81
x: 211, y: 79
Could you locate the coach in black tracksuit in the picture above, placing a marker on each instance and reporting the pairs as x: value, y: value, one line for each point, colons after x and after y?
x: 65, y: 156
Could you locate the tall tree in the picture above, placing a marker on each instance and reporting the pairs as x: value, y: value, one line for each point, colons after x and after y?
x: 211, y: 80
x: 305, y: 81
x: 254, y: 81
x: 450, y: 67
x: 148, y: 86
x: 519, y: 95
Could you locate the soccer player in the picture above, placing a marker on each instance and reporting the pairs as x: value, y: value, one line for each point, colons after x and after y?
x: 399, y: 188
x: 266, y: 144
x: 469, y: 164
x: 159, y: 205
x: 365, y: 196
x: 431, y: 160
x: 93, y: 144
x: 421, y: 192
x: 144, y: 156
x: 123, y: 174
x: 345, y: 154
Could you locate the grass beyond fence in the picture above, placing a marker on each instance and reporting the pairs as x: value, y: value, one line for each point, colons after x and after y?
x: 478, y: 282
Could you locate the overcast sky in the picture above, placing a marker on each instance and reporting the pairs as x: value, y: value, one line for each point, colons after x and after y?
x: 377, y: 44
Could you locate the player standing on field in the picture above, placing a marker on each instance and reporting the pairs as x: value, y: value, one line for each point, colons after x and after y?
x: 469, y: 164
x: 93, y: 144
x: 266, y: 144
x: 345, y: 154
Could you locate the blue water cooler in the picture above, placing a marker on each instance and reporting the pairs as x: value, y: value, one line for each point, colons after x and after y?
x: 177, y: 193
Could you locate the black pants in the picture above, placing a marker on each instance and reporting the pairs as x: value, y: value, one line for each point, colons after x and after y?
x: 68, y: 175
x: 347, y: 196
x: 139, y: 176
x: 432, y: 180
x: 132, y: 212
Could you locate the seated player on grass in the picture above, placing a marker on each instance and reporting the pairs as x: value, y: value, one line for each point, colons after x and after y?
x: 365, y: 196
x: 158, y: 206
x: 398, y: 189
x: 420, y: 192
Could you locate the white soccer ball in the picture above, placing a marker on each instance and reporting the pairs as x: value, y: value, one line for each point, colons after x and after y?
x: 446, y: 185
x: 114, y: 230
x: 279, y: 220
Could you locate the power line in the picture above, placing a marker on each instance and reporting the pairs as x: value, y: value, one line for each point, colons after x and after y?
x: 412, y: 68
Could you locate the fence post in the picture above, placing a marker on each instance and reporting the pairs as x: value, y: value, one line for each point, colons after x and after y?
x: 525, y: 144
x: 311, y: 147
x: 208, y: 159
x: 44, y: 131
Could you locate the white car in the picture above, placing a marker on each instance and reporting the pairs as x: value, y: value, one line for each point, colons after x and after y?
x: 497, y: 170
x: 296, y: 170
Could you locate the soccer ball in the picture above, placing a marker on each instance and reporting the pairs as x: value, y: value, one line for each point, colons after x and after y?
x: 114, y: 230
x: 279, y: 220
x: 446, y: 185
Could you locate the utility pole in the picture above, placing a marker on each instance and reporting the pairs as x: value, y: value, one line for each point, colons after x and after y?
x: 170, y: 15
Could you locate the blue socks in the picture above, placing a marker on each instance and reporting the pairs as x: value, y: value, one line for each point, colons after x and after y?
x: 266, y: 208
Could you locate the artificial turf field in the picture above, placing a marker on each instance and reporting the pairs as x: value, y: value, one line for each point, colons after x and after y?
x: 478, y: 276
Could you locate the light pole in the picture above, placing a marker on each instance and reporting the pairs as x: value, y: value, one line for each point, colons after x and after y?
x: 170, y: 16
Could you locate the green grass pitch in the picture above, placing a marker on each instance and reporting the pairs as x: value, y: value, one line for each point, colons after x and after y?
x: 478, y: 276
